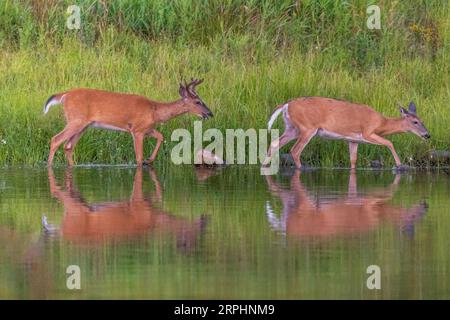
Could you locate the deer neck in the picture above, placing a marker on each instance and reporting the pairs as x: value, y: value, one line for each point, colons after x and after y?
x: 391, y: 126
x: 167, y: 111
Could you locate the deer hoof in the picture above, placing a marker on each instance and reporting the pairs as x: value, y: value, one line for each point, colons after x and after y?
x: 146, y: 163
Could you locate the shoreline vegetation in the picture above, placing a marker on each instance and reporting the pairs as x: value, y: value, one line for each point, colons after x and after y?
x: 253, y: 56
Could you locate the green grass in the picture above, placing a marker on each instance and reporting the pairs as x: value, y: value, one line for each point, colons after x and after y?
x: 253, y: 55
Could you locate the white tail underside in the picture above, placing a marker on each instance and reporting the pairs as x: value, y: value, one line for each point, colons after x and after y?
x: 52, y: 102
x: 276, y: 114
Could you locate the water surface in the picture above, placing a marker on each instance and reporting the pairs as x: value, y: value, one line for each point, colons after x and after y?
x: 186, y: 233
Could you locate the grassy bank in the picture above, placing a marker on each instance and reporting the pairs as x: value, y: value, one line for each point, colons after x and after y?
x: 253, y: 56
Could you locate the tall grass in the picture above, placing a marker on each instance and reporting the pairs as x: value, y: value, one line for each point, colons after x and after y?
x: 252, y: 54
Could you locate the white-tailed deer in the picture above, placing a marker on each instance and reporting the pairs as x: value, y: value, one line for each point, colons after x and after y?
x: 336, y: 119
x: 135, y: 114
x: 322, y: 216
x: 133, y: 218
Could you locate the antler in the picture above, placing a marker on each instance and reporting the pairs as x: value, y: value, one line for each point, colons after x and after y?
x: 191, y: 86
x: 184, y: 89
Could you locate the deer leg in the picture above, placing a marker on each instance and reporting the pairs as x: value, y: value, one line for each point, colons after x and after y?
x: 353, y: 148
x: 289, y: 135
x: 158, y: 188
x: 376, y: 139
x: 301, y: 143
x: 138, y: 140
x: 137, y: 194
x: 69, y: 131
x: 352, y: 185
x: 159, y: 139
x: 69, y: 147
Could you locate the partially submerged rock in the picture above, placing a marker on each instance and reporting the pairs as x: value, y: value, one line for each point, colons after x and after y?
x: 207, y: 158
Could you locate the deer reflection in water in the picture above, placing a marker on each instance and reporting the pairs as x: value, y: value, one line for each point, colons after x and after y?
x: 136, y: 217
x: 325, y: 216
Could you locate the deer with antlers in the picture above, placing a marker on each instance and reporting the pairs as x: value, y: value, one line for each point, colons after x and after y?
x: 131, y: 113
x: 137, y: 217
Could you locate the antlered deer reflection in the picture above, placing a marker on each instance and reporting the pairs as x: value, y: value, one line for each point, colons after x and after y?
x: 324, y: 216
x: 83, y: 222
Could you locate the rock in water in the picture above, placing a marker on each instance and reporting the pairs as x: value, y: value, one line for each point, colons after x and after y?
x: 206, y: 157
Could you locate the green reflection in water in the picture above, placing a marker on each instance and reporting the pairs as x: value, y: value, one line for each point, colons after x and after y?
x: 180, y: 232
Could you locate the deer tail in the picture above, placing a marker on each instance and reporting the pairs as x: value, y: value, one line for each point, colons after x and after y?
x: 54, y: 100
x: 276, y: 113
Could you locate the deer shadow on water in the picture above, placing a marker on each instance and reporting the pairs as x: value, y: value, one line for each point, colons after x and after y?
x: 137, y: 217
x: 326, y: 216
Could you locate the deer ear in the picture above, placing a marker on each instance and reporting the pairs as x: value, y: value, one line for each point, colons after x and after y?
x: 403, y: 112
x: 182, y: 91
x: 412, y: 108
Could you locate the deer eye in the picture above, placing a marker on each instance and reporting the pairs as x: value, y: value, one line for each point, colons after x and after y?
x: 415, y: 122
x: 198, y: 103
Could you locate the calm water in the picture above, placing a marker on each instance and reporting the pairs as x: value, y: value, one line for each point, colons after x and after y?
x: 181, y: 233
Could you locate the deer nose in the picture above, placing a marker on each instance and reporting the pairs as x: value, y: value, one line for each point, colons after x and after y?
x: 427, y: 136
x: 207, y: 115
